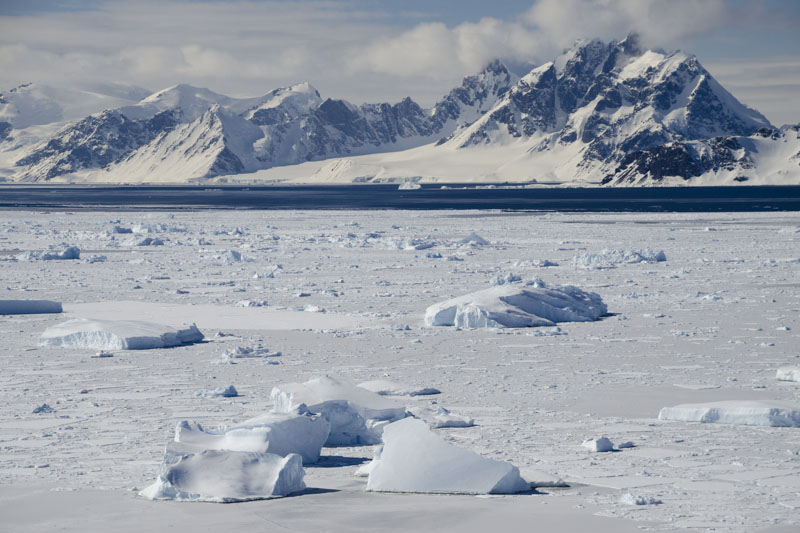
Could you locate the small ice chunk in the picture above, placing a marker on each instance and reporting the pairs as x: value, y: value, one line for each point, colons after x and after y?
x: 224, y: 476
x: 299, y: 432
x: 389, y: 388
x: 356, y: 415
x: 218, y: 392
x: 248, y: 352
x: 626, y: 444
x: 71, y: 252
x: 409, y: 186
x: 510, y: 306
x: 43, y: 409
x: 603, y: 444
x: 117, y: 335
x: 788, y: 373
x: 630, y: 499
x: 443, y: 418
x: 414, y: 459
x: 29, y: 307
x: 252, y: 303
x: 746, y: 413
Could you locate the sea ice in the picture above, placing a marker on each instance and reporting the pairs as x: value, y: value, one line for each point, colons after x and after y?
x: 603, y: 444
x: 248, y: 352
x: 299, y: 432
x: 611, y: 258
x: 509, y: 306
x: 224, y: 476
x: 71, y: 252
x: 357, y: 416
x: 218, y: 392
x: 474, y: 239
x: 786, y: 373
x: 443, y: 418
x: 630, y: 499
x: 389, y: 388
x: 29, y: 307
x: 409, y: 186
x: 414, y: 459
x: 747, y: 413
x: 116, y: 335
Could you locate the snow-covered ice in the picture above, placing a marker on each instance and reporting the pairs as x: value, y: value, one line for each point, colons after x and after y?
x: 29, y: 307
x: 357, y: 416
x: 218, y: 392
x: 788, y: 373
x: 746, y: 413
x: 413, y: 459
x: 385, y: 387
x: 117, y: 335
x: 602, y: 444
x: 512, y: 306
x: 299, y: 432
x: 224, y: 476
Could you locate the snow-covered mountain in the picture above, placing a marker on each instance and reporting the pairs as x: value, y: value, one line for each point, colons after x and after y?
x: 601, y: 112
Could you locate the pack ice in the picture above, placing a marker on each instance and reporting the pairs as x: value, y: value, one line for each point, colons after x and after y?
x: 357, y: 416
x: 413, y: 459
x: 224, y: 476
x: 299, y: 432
x: 116, y: 335
x: 745, y: 413
x: 513, y: 306
x: 29, y: 307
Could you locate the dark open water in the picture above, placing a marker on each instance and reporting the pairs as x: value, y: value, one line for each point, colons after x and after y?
x: 655, y: 199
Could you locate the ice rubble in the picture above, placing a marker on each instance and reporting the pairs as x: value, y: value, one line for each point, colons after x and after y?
x: 414, y: 459
x: 512, y: 306
x: 298, y: 432
x: 218, y: 392
x: 71, y: 252
x: 225, y: 476
x: 788, y: 373
x: 248, y: 352
x: 389, y: 388
x: 409, y: 186
x: 443, y: 418
x: 116, y: 335
x: 357, y: 416
x: 747, y: 413
x: 29, y: 307
x: 611, y: 258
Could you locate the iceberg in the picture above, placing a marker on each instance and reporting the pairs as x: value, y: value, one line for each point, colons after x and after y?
x: 224, y: 476
x: 414, y: 459
x: 357, y: 416
x: 510, y: 306
x: 746, y: 413
x: 29, y: 307
x: 117, y: 335
x: 299, y: 432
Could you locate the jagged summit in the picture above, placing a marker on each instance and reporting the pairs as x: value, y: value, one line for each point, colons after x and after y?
x: 615, y: 112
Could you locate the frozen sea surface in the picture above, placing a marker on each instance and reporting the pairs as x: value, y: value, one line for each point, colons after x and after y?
x: 712, y: 323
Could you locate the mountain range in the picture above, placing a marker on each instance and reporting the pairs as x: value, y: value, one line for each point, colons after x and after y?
x: 601, y: 113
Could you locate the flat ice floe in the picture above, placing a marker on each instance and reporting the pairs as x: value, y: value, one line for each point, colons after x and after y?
x: 513, y: 306
x: 116, y: 335
x: 224, y: 476
x: 788, y: 373
x: 29, y: 307
x: 390, y: 388
x: 414, y: 459
x: 298, y: 432
x: 745, y: 413
x: 357, y: 416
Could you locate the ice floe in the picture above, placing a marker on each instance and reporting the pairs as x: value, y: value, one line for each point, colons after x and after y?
x: 357, y: 416
x: 225, y: 476
x: 299, y: 432
x: 117, y: 335
x: 612, y: 258
x: 788, y: 373
x: 414, y: 459
x: 389, y: 388
x: 746, y: 413
x: 603, y: 444
x: 29, y: 307
x: 512, y: 306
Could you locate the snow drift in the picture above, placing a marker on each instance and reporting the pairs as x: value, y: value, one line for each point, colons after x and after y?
x: 223, y: 476
x: 413, y: 459
x: 117, y: 335
x: 298, y: 432
x: 29, y: 307
x: 356, y: 415
x: 512, y: 306
x: 745, y: 413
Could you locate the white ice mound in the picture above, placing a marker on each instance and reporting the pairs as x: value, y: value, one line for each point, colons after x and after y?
x: 512, y: 306
x: 389, y: 388
x: 224, y: 476
x: 356, y: 415
x: 745, y: 413
x: 281, y: 434
x: 116, y: 335
x: 414, y: 459
x: 29, y: 307
x: 788, y: 373
x: 611, y: 258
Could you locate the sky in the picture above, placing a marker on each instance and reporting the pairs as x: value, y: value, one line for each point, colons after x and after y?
x: 373, y: 51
